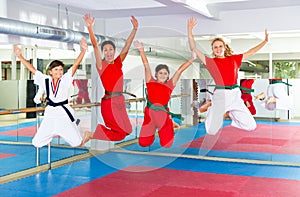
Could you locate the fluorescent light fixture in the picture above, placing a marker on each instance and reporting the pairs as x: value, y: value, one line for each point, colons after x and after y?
x: 196, y: 5
x: 107, y: 5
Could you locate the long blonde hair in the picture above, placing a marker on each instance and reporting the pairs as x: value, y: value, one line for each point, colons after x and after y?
x: 228, y: 51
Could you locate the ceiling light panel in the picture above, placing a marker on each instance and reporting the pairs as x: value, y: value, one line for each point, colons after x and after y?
x: 109, y: 5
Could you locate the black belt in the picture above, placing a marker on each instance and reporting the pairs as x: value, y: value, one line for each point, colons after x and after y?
x: 62, y: 104
x: 206, y: 90
x: 114, y: 94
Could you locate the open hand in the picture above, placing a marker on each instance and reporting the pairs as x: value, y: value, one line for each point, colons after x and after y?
x: 192, y: 22
x: 83, y: 43
x: 139, y: 45
x: 88, y: 20
x: 134, y: 22
x: 17, y: 50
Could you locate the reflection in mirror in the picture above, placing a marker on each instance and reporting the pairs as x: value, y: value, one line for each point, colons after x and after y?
x: 22, y: 110
x: 275, y: 138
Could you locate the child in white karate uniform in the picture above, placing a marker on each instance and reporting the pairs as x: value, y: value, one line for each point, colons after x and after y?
x: 58, y: 116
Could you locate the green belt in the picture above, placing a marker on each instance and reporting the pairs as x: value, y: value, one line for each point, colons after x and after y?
x: 163, y: 108
x: 248, y: 90
x: 279, y: 81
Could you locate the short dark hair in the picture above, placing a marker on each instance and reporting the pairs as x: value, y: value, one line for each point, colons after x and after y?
x: 162, y: 66
x: 55, y: 63
x: 108, y: 42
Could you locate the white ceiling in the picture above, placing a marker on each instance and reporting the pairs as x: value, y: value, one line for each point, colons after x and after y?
x: 247, y: 15
x: 125, y: 8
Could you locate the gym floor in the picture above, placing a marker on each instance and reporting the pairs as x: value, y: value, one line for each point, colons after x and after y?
x: 192, y: 167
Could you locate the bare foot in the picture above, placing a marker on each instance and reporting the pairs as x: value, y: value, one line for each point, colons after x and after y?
x: 87, y: 137
x: 175, y: 125
x: 204, y: 107
x: 248, y: 104
x: 272, y: 99
x: 226, y: 115
x: 261, y: 96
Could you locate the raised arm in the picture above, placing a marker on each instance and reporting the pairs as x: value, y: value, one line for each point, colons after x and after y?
x: 83, y: 46
x: 192, y: 22
x: 130, y: 38
x: 140, y: 47
x: 182, y: 68
x: 18, y: 54
x: 90, y: 23
x: 253, y: 50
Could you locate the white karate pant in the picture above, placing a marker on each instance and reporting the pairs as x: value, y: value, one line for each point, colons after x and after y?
x: 279, y: 91
x: 56, y: 122
x: 224, y: 100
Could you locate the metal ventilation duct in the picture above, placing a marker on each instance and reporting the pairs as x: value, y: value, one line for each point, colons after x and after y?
x: 14, y: 27
x: 19, y: 28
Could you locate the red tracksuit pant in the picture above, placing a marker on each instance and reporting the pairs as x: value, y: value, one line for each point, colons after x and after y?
x: 156, y: 120
x: 117, y: 123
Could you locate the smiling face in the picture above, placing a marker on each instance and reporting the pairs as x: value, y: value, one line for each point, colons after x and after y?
x: 109, y: 53
x: 218, y: 48
x: 56, y: 69
x: 56, y: 72
x: 162, y: 75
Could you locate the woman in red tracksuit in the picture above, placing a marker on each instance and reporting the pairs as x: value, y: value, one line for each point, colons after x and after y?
x: 246, y: 94
x: 83, y: 93
x: 157, y: 114
x: 113, y: 108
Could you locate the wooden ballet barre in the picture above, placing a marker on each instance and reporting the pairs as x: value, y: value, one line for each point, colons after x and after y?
x: 134, y: 100
x: 143, y: 99
x: 179, y: 95
x: 40, y: 109
x: 85, y: 105
x: 22, y: 110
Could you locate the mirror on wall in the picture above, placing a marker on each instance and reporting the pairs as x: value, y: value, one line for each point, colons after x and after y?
x: 20, y: 115
x: 275, y: 138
